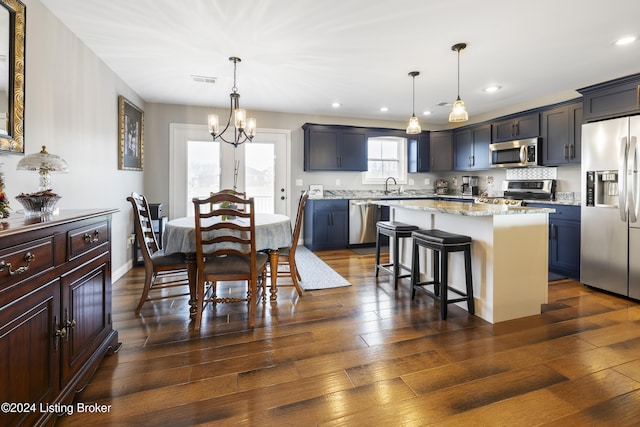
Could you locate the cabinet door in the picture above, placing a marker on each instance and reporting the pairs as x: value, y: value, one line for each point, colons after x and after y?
x: 321, y: 148
x: 481, y: 137
x: 339, y: 229
x: 418, y: 152
x: 555, y: 136
x: 524, y: 126
x: 441, y: 151
x: 462, y: 150
x: 86, y: 310
x: 564, y: 255
x: 352, y: 150
x: 29, y: 352
x: 575, y: 132
x: 615, y: 98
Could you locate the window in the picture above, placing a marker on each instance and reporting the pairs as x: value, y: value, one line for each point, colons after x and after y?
x: 203, y: 170
x: 387, y: 156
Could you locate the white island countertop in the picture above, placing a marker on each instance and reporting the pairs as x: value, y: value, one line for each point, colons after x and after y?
x: 509, y: 252
x: 462, y: 208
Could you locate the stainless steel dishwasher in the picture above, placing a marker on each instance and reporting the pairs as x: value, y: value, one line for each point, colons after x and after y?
x: 363, y: 216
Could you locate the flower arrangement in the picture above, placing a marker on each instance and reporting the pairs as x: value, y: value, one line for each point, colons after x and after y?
x: 4, y: 203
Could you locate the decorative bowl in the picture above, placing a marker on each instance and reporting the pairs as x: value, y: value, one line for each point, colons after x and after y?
x: 38, y: 204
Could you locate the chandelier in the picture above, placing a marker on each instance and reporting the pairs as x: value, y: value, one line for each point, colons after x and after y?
x: 459, y: 111
x: 413, y: 127
x: 244, y: 129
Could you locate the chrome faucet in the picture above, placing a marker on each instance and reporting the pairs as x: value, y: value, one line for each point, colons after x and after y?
x: 386, y: 184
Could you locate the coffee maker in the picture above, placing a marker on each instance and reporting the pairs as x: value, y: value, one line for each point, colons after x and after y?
x: 470, y: 186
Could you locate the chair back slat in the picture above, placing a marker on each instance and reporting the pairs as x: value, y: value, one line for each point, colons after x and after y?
x: 224, y: 230
x: 298, y: 225
x: 143, y: 226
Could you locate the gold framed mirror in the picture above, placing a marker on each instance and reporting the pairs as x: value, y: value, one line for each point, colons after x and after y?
x: 12, y: 33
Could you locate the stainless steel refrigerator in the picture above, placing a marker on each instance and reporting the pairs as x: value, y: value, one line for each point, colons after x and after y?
x: 610, y: 226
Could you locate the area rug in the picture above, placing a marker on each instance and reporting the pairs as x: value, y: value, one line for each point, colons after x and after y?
x: 315, y: 273
x: 368, y: 250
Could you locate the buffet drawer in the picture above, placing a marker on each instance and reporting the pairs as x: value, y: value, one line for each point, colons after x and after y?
x: 24, y: 261
x: 85, y: 239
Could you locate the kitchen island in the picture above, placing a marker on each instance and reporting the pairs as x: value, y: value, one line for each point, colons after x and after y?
x: 509, y: 252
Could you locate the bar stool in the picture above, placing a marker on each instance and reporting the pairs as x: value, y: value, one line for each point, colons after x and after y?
x: 442, y: 244
x: 395, y: 231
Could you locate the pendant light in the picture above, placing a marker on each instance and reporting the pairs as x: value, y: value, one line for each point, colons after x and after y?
x: 459, y: 111
x: 414, y: 124
x: 244, y: 128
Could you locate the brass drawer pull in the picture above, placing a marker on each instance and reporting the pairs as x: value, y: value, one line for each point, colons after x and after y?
x: 28, y: 257
x: 88, y: 238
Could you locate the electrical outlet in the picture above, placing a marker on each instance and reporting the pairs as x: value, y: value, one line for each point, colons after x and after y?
x: 427, y: 181
x: 299, y: 183
x: 131, y: 240
x: 338, y: 182
x: 411, y: 181
x: 489, y: 180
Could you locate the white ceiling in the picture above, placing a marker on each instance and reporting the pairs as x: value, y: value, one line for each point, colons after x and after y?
x: 299, y: 56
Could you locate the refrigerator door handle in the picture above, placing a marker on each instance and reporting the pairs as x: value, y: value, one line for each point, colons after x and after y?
x: 632, y: 180
x: 622, y: 179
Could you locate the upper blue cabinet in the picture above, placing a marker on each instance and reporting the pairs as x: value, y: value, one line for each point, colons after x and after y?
x: 334, y: 148
x: 615, y: 98
x: 516, y: 127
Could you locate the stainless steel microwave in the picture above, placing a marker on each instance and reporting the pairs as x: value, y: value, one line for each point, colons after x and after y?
x: 513, y: 154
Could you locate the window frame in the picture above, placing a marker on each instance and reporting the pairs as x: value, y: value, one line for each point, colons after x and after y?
x: 402, y: 158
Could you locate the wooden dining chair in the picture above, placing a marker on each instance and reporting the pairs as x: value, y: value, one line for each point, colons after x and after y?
x: 287, y: 255
x: 226, y: 251
x: 161, y: 271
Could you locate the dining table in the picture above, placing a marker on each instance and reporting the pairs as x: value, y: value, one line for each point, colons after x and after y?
x: 273, y: 231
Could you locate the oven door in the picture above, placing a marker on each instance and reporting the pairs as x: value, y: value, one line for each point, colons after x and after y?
x: 511, y: 154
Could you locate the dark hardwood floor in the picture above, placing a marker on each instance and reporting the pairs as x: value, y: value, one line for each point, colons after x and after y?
x: 368, y: 355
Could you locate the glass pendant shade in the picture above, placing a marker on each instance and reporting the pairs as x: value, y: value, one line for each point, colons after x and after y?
x: 251, y: 127
x: 458, y: 112
x: 240, y: 118
x: 414, y: 126
x: 214, y: 124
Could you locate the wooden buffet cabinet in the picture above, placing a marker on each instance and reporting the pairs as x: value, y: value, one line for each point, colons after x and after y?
x: 55, y: 310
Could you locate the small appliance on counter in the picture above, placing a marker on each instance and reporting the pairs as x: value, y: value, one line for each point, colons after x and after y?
x: 470, y: 186
x: 442, y: 187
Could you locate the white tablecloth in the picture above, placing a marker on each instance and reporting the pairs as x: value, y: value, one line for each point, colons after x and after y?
x: 273, y: 231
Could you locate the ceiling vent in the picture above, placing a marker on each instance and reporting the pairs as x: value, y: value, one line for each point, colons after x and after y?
x: 444, y: 104
x: 203, y: 79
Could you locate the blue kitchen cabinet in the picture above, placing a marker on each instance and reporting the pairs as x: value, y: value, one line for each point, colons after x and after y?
x: 334, y: 148
x: 520, y: 126
x: 562, y: 134
x: 418, y: 153
x: 615, y: 98
x: 564, y: 239
x: 471, y: 148
x: 326, y: 224
x: 441, y: 151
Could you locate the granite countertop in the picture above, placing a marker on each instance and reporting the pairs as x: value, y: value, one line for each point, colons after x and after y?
x: 462, y: 208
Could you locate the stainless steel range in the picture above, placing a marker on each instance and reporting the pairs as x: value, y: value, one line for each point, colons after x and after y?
x: 517, y: 192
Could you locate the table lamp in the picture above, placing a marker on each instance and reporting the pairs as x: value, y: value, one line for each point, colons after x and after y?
x: 44, y: 201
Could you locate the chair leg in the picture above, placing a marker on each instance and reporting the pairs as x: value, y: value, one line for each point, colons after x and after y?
x: 293, y: 270
x: 199, y: 302
x: 396, y: 261
x: 377, y: 253
x: 444, y: 286
x: 251, y: 300
x: 149, y: 277
x: 415, y: 269
x: 468, y: 278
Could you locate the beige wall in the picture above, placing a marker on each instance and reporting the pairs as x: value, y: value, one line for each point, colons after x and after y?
x: 71, y: 107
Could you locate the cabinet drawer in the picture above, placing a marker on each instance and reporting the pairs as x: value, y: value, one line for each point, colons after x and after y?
x: 84, y: 239
x: 25, y: 260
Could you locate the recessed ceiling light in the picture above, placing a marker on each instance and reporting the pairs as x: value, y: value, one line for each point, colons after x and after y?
x: 625, y: 40
x: 426, y: 113
x: 384, y: 109
x: 491, y: 89
x: 336, y: 105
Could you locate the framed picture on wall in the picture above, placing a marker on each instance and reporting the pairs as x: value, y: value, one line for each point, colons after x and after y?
x: 130, y: 135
